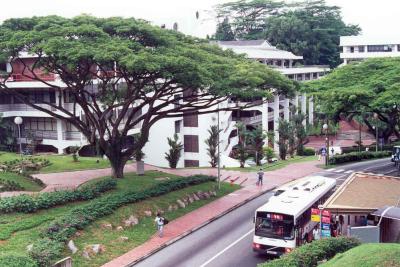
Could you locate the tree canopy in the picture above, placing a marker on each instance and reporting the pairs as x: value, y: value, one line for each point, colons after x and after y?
x: 362, y: 89
x: 145, y: 72
x: 311, y: 28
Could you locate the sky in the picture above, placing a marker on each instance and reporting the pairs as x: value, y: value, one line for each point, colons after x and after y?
x: 376, y: 18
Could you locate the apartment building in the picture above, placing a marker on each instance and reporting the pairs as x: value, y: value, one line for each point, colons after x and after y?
x: 55, y: 135
x: 356, y: 48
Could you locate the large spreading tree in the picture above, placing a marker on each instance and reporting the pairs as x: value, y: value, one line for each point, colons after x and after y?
x: 309, y: 28
x: 145, y: 72
x: 362, y: 90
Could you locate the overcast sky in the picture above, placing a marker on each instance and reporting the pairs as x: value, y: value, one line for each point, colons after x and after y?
x: 376, y: 18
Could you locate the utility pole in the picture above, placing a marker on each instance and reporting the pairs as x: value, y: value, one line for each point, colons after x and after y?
x: 219, y: 155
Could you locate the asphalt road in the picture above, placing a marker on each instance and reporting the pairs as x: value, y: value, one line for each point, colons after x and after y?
x: 227, y: 241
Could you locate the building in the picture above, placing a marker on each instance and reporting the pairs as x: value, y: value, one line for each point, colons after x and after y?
x: 52, y: 134
x: 356, y: 48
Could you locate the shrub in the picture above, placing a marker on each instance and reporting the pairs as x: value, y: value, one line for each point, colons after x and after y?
x: 310, y: 254
x: 175, y: 151
x: 60, y: 230
x: 358, y: 156
x: 28, y: 203
x: 308, y: 152
x: 6, y: 185
x: 269, y: 153
x: 17, y: 261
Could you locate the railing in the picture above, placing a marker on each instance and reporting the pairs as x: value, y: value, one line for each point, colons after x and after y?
x: 39, y: 134
x: 20, y: 107
x: 30, y: 77
x: 71, y: 135
x: 253, y: 119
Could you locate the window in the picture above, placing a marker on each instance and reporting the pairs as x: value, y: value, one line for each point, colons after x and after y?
x: 361, y: 48
x: 274, y: 225
x: 191, y: 143
x: 379, y: 48
x: 351, y: 49
x: 5, y: 99
x: 178, y: 126
x: 191, y: 163
x: 190, y: 120
x: 398, y: 48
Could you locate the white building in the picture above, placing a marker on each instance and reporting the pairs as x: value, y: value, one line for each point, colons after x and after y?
x: 52, y: 134
x: 356, y: 48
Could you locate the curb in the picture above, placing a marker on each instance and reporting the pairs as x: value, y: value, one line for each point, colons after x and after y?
x: 170, y: 242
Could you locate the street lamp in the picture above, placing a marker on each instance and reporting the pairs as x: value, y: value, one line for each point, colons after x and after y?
x: 325, y: 128
x: 106, y: 137
x: 18, y: 121
x: 376, y: 131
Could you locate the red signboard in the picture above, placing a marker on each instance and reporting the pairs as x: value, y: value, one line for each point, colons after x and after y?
x: 326, y: 213
x: 314, y: 211
x: 325, y: 219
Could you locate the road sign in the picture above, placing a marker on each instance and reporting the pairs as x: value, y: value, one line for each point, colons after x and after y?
x: 326, y: 233
x: 314, y: 211
x: 315, y: 218
x: 326, y: 213
x: 326, y: 226
x: 326, y: 219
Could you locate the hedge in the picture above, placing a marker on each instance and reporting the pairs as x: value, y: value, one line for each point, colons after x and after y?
x: 31, y: 203
x: 308, y: 152
x: 310, y: 254
x: 7, y: 185
x: 358, y: 156
x: 17, y: 261
x: 47, y: 249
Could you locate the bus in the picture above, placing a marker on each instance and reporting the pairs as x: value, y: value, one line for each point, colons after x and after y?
x: 284, y: 222
x: 395, y: 153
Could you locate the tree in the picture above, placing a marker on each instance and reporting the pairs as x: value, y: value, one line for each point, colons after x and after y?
x: 108, y: 64
x: 299, y: 130
x: 175, y: 150
x: 257, y: 137
x: 7, y: 139
x: 242, y: 144
x: 212, y: 145
x: 285, y: 134
x: 310, y: 28
x: 224, y: 31
x: 362, y: 89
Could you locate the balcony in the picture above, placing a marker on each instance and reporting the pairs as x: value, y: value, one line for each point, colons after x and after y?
x: 21, y: 107
x: 39, y: 135
x: 23, y: 78
x: 71, y: 135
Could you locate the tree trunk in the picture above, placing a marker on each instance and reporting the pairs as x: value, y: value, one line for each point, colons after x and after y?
x: 117, y: 165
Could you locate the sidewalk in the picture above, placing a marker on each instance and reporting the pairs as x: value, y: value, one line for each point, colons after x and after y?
x: 196, y: 219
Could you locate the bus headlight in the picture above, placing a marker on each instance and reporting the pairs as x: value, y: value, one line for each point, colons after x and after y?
x: 288, y: 250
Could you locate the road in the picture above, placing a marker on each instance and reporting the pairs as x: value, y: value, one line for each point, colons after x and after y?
x: 227, y: 241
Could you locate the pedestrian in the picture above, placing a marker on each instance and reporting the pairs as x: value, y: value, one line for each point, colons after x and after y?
x: 260, y: 177
x: 316, y: 234
x: 159, y: 221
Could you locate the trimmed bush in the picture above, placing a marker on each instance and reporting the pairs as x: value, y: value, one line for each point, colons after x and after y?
x: 356, y: 156
x: 6, y: 185
x: 17, y: 261
x: 32, y: 203
x: 46, y: 250
x: 310, y: 254
x: 308, y: 152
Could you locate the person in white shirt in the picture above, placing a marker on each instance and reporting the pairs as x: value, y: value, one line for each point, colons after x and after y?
x: 160, y: 224
x: 316, y: 233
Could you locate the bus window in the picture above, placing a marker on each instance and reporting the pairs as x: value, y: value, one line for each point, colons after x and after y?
x: 274, y: 225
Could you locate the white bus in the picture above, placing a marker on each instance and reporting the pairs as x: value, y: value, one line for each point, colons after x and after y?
x: 284, y: 222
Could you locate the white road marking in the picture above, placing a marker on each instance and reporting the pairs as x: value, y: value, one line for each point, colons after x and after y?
x: 225, y: 249
x: 342, y: 177
x: 349, y: 171
x: 330, y: 170
x: 340, y: 170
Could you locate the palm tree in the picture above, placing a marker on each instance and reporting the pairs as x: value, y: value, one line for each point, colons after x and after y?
x: 175, y: 150
x: 212, y: 144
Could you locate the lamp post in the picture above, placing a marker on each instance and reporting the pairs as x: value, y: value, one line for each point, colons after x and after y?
x: 219, y: 154
x: 18, y: 121
x: 325, y: 128
x: 376, y: 131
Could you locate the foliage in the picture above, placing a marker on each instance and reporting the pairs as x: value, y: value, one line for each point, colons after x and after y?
x: 74, y: 151
x: 243, y: 136
x: 285, y: 133
x: 61, y: 229
x: 7, y: 139
x: 27, y: 183
x: 17, y: 261
x: 372, y: 254
x: 358, y: 156
x: 316, y: 128
x: 309, y: 28
x: 256, y: 140
x: 134, y: 62
x: 212, y: 145
x: 362, y: 89
x: 269, y: 153
x: 32, y: 203
x: 309, y: 254
x: 7, y: 185
x: 175, y: 151
x: 308, y: 151
x: 299, y: 132
x: 25, y: 164
x: 224, y: 31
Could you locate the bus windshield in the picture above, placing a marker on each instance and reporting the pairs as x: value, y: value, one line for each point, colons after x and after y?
x: 274, y: 225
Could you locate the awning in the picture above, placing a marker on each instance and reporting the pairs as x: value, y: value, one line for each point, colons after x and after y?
x: 392, y: 213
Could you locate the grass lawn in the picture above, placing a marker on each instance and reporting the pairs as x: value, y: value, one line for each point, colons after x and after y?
x: 61, y: 163
x: 368, y: 255
x: 275, y: 165
x: 27, y: 183
x: 19, y: 230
